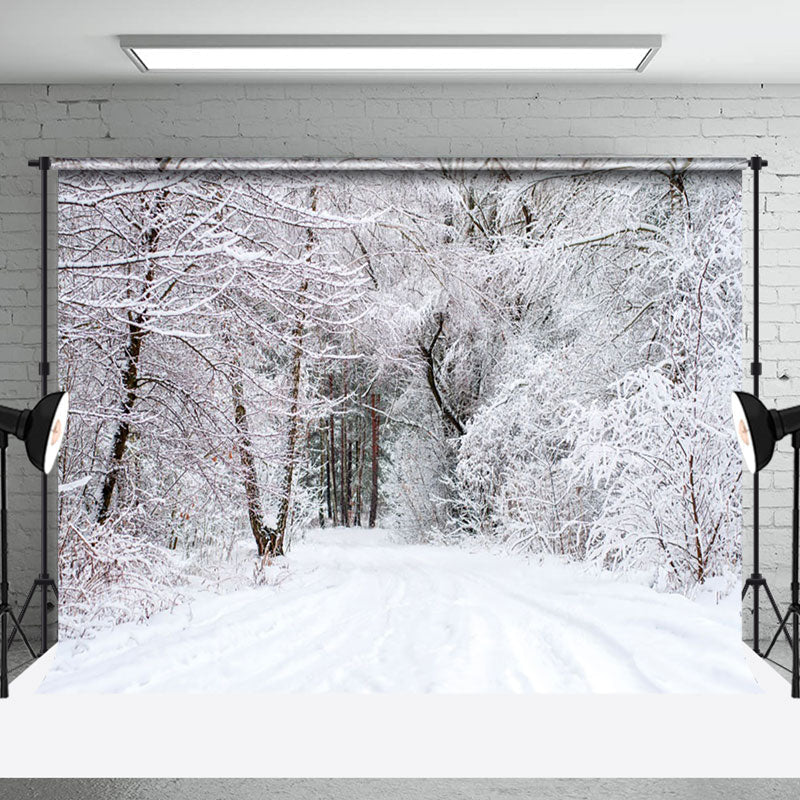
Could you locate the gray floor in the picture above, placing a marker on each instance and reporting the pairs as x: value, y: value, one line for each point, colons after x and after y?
x: 395, y: 789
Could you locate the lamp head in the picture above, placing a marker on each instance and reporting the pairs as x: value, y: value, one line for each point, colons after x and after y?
x: 46, y: 427
x: 754, y: 430
x: 758, y: 428
x: 41, y: 428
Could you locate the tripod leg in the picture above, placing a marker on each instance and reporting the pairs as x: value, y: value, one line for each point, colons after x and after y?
x: 796, y: 655
x: 777, y: 613
x: 3, y: 656
x: 24, y: 638
x: 748, y: 583
x: 778, y: 633
x: 756, y: 613
x: 22, y: 613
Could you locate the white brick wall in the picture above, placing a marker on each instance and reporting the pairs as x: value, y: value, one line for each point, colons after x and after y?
x: 402, y: 120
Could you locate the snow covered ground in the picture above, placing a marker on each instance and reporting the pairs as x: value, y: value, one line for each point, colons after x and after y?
x: 354, y: 611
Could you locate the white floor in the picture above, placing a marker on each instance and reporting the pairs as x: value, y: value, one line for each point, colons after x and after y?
x: 332, y: 735
x: 356, y: 611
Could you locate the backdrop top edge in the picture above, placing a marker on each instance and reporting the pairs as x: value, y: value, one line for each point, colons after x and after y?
x: 400, y: 164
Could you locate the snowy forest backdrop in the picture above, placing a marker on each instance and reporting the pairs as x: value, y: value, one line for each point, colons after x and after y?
x: 533, y: 361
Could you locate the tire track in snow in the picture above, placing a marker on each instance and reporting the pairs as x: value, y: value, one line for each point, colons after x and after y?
x: 360, y: 613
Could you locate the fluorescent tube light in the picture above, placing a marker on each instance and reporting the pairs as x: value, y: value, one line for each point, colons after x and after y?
x: 390, y: 53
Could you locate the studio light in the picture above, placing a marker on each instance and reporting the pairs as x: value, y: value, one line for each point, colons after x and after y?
x: 759, y: 428
x: 390, y: 53
x: 42, y: 430
x: 757, y: 431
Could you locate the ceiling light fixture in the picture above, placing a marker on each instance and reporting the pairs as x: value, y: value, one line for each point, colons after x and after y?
x: 390, y: 53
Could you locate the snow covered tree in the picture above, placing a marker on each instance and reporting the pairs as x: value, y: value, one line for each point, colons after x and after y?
x: 535, y: 360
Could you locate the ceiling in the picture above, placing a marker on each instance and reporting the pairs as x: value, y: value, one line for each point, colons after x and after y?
x: 704, y: 41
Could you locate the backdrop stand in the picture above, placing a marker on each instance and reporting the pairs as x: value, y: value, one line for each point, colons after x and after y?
x: 44, y: 581
x: 756, y: 580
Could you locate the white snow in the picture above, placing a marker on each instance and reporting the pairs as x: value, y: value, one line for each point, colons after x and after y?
x: 356, y: 611
x: 73, y: 485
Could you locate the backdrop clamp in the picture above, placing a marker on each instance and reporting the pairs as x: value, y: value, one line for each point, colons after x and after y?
x: 42, y: 163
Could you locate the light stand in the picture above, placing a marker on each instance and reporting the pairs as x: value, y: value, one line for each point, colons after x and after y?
x: 42, y: 429
x: 757, y: 581
x: 6, y: 613
x: 758, y: 430
x: 794, y: 607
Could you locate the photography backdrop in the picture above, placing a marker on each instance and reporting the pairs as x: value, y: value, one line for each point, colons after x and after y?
x: 526, y: 357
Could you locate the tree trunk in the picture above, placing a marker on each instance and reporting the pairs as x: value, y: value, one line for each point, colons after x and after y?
x: 130, y: 382
x: 343, y: 453
x: 294, y: 413
x: 373, y: 499
x: 359, y: 471
x: 344, y: 488
x: 350, y: 482
x: 324, y: 486
x: 332, y: 458
x: 294, y: 425
x: 263, y: 536
x: 430, y: 374
x: 327, y: 468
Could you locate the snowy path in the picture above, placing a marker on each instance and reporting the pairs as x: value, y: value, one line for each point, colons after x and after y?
x: 359, y: 613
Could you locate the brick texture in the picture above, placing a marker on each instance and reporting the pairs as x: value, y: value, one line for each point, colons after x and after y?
x: 404, y: 120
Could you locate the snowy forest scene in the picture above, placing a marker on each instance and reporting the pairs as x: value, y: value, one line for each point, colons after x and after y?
x: 432, y: 430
